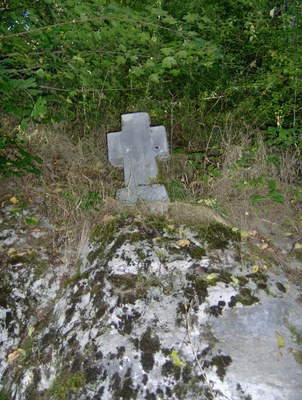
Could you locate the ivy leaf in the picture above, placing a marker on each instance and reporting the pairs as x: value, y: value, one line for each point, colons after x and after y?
x: 169, y: 62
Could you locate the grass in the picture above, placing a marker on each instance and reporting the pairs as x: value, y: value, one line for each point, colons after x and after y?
x: 223, y: 170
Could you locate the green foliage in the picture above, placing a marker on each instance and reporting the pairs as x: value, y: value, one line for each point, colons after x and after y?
x: 15, y: 159
x: 273, y: 194
x: 86, y: 201
x: 176, y: 190
x: 85, y: 61
x: 279, y: 137
x: 71, y: 61
x: 4, y: 395
x: 66, y: 385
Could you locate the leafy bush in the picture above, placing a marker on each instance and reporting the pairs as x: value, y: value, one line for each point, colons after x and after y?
x: 15, y: 159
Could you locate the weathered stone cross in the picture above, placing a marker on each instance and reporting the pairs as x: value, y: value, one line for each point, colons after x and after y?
x: 135, y: 149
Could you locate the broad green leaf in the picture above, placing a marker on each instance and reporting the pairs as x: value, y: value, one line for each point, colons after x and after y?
x: 190, y: 17
x: 137, y: 71
x: 154, y: 78
x: 169, y: 20
x: 169, y: 62
x: 121, y: 60
x: 167, y: 51
x: 40, y: 109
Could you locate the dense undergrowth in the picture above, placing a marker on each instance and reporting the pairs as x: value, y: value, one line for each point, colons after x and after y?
x: 224, y: 78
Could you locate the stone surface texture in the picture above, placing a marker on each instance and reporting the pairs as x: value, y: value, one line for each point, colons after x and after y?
x: 155, y: 310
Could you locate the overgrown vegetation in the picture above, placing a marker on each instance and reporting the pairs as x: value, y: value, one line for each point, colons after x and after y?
x: 223, y: 77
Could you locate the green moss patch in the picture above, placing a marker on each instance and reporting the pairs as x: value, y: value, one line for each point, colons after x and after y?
x: 66, y: 385
x: 218, y: 236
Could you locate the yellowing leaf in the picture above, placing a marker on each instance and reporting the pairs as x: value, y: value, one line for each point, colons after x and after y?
x: 288, y: 234
x: 108, y: 218
x: 11, y: 250
x: 30, y: 331
x: 264, y: 246
x: 183, y: 243
x: 13, y: 200
x: 234, y: 279
x: 176, y: 359
x: 246, y: 234
x: 281, y: 341
x: 255, y: 269
x: 297, y: 246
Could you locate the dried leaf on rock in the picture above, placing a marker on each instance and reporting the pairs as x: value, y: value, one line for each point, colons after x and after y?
x: 183, y: 243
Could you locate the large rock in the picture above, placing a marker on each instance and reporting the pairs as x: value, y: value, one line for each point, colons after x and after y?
x: 155, y: 311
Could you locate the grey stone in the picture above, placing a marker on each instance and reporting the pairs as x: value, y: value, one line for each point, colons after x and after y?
x: 143, y: 320
x: 135, y: 149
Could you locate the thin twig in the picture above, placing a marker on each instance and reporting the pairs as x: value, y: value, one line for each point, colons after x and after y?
x: 200, y: 365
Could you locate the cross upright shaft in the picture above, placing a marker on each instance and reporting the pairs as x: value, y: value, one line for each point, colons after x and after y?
x: 139, y: 156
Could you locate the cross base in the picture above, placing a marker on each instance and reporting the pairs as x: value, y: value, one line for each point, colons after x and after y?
x: 144, y: 193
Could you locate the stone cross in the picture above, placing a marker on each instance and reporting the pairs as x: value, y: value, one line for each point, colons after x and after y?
x: 135, y: 149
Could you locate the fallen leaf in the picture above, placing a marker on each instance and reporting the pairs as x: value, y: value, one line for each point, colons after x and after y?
x: 183, y: 243
x: 57, y: 190
x: 13, y: 357
x: 281, y: 341
x: 255, y: 269
x: 288, y: 234
x: 264, y: 246
x: 297, y: 246
x: 212, y: 277
x: 246, y: 234
x: 11, y: 250
x: 234, y: 279
x: 176, y: 359
x: 30, y: 331
x: 108, y: 217
x: 13, y: 200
